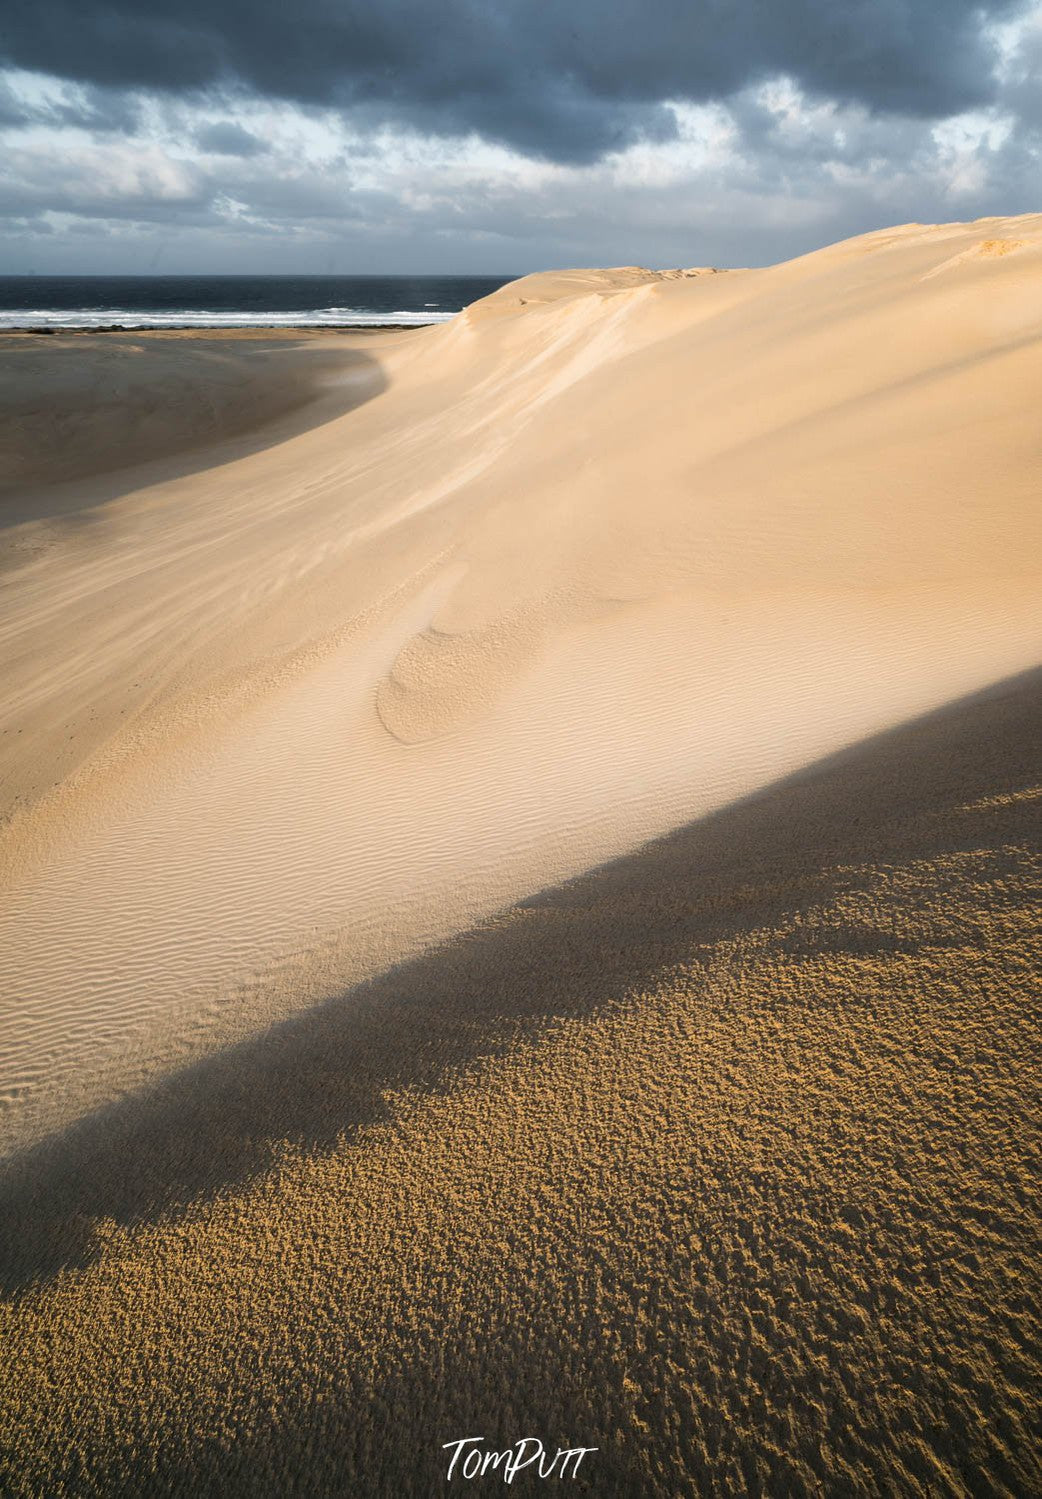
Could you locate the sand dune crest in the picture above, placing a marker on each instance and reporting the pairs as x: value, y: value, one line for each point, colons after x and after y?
x: 607, y: 551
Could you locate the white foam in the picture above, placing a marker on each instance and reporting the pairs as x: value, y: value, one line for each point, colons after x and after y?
x: 319, y: 317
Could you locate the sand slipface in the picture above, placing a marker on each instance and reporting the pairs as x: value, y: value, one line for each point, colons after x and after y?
x: 730, y: 1143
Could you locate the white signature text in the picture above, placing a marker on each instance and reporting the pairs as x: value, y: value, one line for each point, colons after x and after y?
x: 480, y: 1461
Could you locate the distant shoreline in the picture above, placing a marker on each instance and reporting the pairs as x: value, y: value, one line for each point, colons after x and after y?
x: 215, y: 330
x: 129, y: 304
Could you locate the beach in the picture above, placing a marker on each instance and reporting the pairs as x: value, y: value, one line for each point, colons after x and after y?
x: 520, y: 876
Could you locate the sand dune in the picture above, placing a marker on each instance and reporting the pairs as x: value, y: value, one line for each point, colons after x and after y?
x: 75, y: 405
x: 722, y: 1159
x: 607, y: 551
x: 466, y: 612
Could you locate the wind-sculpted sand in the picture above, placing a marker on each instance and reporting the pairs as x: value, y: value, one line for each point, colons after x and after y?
x: 330, y: 1139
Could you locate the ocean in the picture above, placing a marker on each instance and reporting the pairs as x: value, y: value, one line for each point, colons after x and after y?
x: 236, y: 301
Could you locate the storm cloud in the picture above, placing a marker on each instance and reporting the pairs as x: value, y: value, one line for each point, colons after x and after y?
x: 566, y: 81
x: 225, y: 138
x: 502, y: 135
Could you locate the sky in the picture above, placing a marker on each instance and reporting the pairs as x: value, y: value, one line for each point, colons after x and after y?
x: 501, y: 136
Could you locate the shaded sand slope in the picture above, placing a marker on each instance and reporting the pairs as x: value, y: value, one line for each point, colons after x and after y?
x: 722, y: 1158
x: 76, y: 405
x: 590, y: 561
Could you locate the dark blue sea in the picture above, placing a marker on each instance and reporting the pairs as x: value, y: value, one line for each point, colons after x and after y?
x: 235, y: 301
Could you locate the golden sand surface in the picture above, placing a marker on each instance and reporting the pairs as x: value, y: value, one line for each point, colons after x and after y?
x: 75, y: 404
x: 519, y: 888
x: 721, y: 1159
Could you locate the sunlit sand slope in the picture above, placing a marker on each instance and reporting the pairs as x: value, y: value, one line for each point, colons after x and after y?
x: 606, y: 552
x: 721, y: 1159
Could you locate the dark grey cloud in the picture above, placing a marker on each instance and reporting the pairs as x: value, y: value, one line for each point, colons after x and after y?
x: 100, y: 110
x: 225, y: 138
x: 135, y: 200
x: 13, y: 112
x: 1023, y: 90
x: 568, y: 81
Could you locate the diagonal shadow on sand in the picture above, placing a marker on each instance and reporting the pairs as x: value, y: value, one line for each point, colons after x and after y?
x: 953, y: 780
x: 244, y: 397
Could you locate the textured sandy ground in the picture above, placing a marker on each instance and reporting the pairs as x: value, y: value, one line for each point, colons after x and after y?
x: 604, y: 553
x: 722, y: 1159
x: 718, y: 1159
